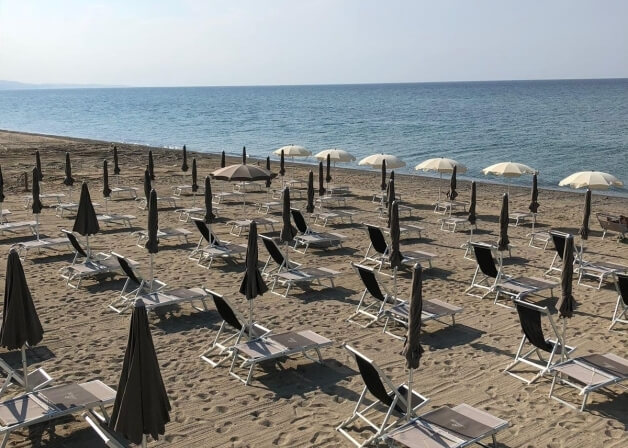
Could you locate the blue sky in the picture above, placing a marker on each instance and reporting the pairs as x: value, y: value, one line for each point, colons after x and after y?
x: 252, y: 42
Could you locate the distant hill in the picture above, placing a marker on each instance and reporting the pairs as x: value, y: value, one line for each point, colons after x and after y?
x: 15, y: 85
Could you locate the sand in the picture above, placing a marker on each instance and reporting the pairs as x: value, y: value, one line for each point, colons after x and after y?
x: 297, y: 402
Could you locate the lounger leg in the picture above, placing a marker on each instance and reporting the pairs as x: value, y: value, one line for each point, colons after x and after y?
x: 5, y: 440
x: 584, y: 401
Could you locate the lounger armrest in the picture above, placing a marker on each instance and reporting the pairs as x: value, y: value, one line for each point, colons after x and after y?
x: 98, y: 423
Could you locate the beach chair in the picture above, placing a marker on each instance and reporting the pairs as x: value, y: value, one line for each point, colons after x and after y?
x: 520, y: 218
x: 489, y: 277
x: 539, y: 240
x: 620, y: 315
x: 443, y: 207
x: 446, y: 427
x: 100, y: 425
x: 23, y: 248
x: 121, y: 190
x: 558, y: 239
x: 188, y: 214
x: 326, y: 201
x: 222, y: 196
x: 381, y: 251
x: 43, y: 197
x: 245, y: 187
x: 288, y: 273
x: 588, y: 374
x: 180, y: 190
x: 248, y: 355
x: 13, y: 227
x: 389, y: 407
x: 170, y: 200
x: 530, y: 316
x: 52, y: 403
x: 178, y: 233
x: 600, y: 271
x: 308, y: 237
x: 214, y: 247
x: 173, y: 296
x: 327, y: 216
x: 613, y: 223
x: 124, y: 220
x: 232, y: 329
x: 242, y: 225
x: 37, y: 378
x: 4, y: 213
x: 451, y: 223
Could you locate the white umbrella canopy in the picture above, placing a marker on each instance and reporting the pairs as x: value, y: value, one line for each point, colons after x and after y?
x: 594, y: 180
x: 441, y: 165
x: 292, y: 151
x: 508, y: 169
x: 336, y: 155
x: 376, y: 160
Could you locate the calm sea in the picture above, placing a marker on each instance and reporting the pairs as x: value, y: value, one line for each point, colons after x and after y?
x: 557, y: 127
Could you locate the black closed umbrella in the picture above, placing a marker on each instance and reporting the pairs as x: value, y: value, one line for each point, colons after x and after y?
x: 282, y: 165
x: 1, y: 188
x: 36, y: 206
x: 395, y: 256
x: 209, y: 213
x: 86, y: 222
x: 20, y: 323
x: 68, y: 181
x: 383, y: 184
x: 472, y: 218
x: 40, y: 173
x: 184, y: 165
x: 147, y: 186
x: 391, y: 178
x: 141, y: 406
x: 390, y: 198
x: 116, y: 166
x: 194, y: 177
x: 586, y: 215
x: 534, y: 200
x: 566, y: 304
x: 288, y: 232
x: 151, y: 166
x: 452, y: 193
x: 244, y: 155
x: 223, y: 161
x: 268, y: 181
x: 252, y: 284
x: 412, y: 349
x: 310, y: 193
x: 504, y: 241
x: 152, y: 243
x: 328, y: 173
x: 321, y: 180
x: 106, y: 191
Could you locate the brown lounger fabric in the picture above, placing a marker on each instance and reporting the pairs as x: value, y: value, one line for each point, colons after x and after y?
x: 456, y: 423
x: 605, y: 364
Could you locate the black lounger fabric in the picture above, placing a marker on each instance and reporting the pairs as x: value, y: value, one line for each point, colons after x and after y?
x: 530, y: 321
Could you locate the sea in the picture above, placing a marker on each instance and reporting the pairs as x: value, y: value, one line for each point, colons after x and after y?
x: 557, y: 127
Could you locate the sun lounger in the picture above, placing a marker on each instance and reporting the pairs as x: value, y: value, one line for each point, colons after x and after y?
x: 288, y: 273
x: 613, y: 223
x: 134, y: 284
x: 248, y: 355
x: 171, y: 201
x: 232, y: 329
x: 188, y: 214
x: 443, y: 207
x: 325, y: 201
x: 599, y: 270
x: 558, y: 239
x: 539, y: 240
x: 620, y: 315
x: 267, y: 207
x: 174, y: 296
x: 180, y: 190
x: 588, y: 374
x: 325, y: 216
x: 246, y: 187
x: 120, y: 191
x: 52, y: 403
x: 28, y: 199
x: 530, y: 320
x: 3, y: 215
x: 338, y: 190
x: 295, y: 183
x: 380, y: 251
x: 222, y: 196
x: 210, y: 247
x: 179, y: 233
x: 382, y: 196
x: 242, y: 225
x: 68, y: 208
x: 294, y: 193
x: 24, y: 247
x: 307, y: 237
x: 390, y: 402
x: 124, y: 220
x: 445, y: 427
x: 382, y: 210
x: 37, y: 378
x: 451, y: 223
x: 490, y: 278
x: 521, y: 217
x: 13, y: 227
x: 405, y: 230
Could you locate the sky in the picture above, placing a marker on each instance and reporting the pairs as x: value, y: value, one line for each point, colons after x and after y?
x: 261, y: 42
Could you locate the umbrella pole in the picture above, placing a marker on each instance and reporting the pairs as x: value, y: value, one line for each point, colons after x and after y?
x: 143, y: 440
x: 25, y: 368
x: 250, y: 317
x: 562, y: 347
x: 150, y: 286
x: 439, y: 186
x: 410, y: 375
x: 37, y: 224
x: 89, y: 252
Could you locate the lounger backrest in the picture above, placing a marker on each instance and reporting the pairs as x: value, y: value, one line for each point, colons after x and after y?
x: 225, y: 311
x: 75, y: 244
x: 530, y: 320
x: 622, y: 287
x: 484, y: 257
x: 202, y: 228
x: 371, y: 284
x: 128, y: 270
x: 372, y: 380
x: 559, y: 243
x: 377, y: 239
x: 299, y: 220
x: 273, y: 250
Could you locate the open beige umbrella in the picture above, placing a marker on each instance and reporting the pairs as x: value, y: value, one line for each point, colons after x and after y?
x: 508, y: 170
x: 293, y: 151
x: 336, y: 155
x: 375, y: 161
x: 593, y: 180
x: 441, y: 165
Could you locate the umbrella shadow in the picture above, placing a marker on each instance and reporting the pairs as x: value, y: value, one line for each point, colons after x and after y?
x: 34, y: 355
x: 449, y: 336
x: 112, y: 230
x: 177, y: 318
x: 338, y: 293
x: 514, y: 260
x: 612, y: 407
x: 50, y: 258
x: 491, y: 349
x: 332, y: 252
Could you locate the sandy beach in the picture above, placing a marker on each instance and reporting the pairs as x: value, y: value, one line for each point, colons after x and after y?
x: 296, y: 402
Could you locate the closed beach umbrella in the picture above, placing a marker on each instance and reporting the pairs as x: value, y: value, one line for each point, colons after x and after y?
x: 209, y: 213
x: 287, y: 230
x: 310, y: 193
x: 395, y: 256
x: 503, y: 242
x: 383, y: 184
x: 36, y: 206
x: 147, y: 186
x: 184, y: 165
x: 472, y: 204
x: 244, y: 155
x: 151, y: 166
x: 321, y: 180
x: 40, y: 174
x: 152, y: 243
x: 106, y: 191
x: 441, y: 165
x: 223, y: 161
x: 282, y: 164
x: 141, y: 406
x: 252, y: 284
x: 593, y: 180
x: 586, y: 214
x: 534, y: 196
x: 328, y: 173
x: 566, y: 304
x: 391, y: 178
x: 412, y: 349
x: 194, y: 176
x: 508, y: 170
x: 376, y: 160
x: 116, y: 166
x: 68, y: 181
x: 1, y: 187
x: 86, y: 222
x: 20, y: 323
x: 268, y: 181
x: 452, y: 193
x: 391, y: 198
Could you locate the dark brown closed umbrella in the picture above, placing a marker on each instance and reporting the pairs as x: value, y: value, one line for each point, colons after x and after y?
x: 310, y: 193
x: 1, y: 187
x: 184, y: 165
x: 412, y: 349
x: 328, y: 174
x: 566, y: 304
x: 282, y: 164
x: 106, y: 191
x: 223, y: 162
x: 321, y: 180
x: 472, y: 218
x: 288, y: 232
x: 116, y: 166
x: 586, y: 214
x: 383, y: 184
x: 152, y: 243
x: 194, y: 176
x: 534, y: 196
x: 147, y: 186
x: 86, y: 222
x: 36, y: 205
x: 395, y: 257
x: 209, y: 213
x: 151, y: 166
x: 503, y: 242
x: 252, y: 285
x: 141, y: 406
x: 452, y: 193
x: 390, y: 198
x: 244, y: 155
x: 268, y: 181
x: 68, y: 181
x: 40, y: 173
x: 20, y: 323
x: 390, y: 178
